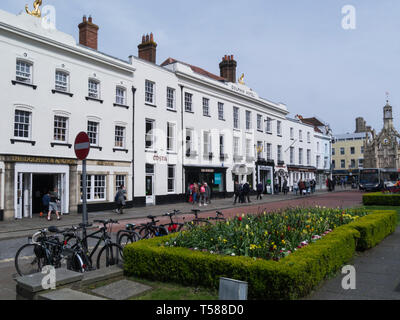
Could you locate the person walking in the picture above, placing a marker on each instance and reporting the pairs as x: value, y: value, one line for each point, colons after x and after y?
x: 202, y: 195
x: 296, y: 187
x: 236, y: 192
x: 246, y: 193
x: 285, y: 187
x: 260, y: 189
x: 46, y: 202
x: 53, y: 205
x: 120, y: 199
x: 208, y: 194
x: 195, y: 193
x: 302, y: 187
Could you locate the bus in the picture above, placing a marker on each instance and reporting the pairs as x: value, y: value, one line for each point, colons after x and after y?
x: 378, y: 179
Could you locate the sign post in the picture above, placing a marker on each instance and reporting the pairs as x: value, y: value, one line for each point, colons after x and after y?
x: 82, y: 148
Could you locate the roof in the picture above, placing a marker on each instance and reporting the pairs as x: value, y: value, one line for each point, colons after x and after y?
x: 194, y: 68
x: 351, y: 136
x: 313, y: 121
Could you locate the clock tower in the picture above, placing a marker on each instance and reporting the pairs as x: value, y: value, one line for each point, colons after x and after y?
x: 388, y: 116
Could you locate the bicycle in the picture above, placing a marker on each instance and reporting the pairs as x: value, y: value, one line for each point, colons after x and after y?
x: 197, y: 222
x: 151, y: 230
x: 172, y: 226
x: 129, y: 235
x: 110, y: 254
x: 219, y: 217
x: 44, y: 250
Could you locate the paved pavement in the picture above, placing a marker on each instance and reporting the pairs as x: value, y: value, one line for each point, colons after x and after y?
x: 13, y: 233
x: 377, y: 275
x: 26, y: 227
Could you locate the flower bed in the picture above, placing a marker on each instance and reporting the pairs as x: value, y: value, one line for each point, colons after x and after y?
x: 289, y: 278
x: 267, y: 236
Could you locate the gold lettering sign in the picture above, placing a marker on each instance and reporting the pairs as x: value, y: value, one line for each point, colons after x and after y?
x: 40, y: 160
x: 104, y: 163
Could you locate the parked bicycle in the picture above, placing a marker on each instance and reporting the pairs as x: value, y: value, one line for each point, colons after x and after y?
x: 47, y: 248
x: 173, y: 226
x: 151, y: 230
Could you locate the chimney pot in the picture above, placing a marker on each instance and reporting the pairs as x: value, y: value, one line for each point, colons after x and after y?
x: 148, y: 48
x: 88, y: 33
x: 228, y: 68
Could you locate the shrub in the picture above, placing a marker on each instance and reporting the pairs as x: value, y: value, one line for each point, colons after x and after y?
x: 381, y: 199
x: 290, y: 278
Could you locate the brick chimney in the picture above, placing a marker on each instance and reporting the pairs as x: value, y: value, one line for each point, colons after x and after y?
x: 148, y: 48
x: 228, y: 68
x: 88, y: 33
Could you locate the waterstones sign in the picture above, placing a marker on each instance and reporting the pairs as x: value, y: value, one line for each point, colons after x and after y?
x: 40, y: 160
x: 243, y: 91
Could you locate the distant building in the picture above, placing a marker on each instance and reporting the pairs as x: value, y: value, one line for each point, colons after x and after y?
x: 382, y: 150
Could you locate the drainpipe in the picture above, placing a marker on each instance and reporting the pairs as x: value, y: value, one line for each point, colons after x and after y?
x: 133, y: 145
x: 183, y: 143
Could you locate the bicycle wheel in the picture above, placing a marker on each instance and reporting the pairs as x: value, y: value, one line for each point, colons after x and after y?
x: 30, y: 259
x: 146, y: 233
x: 110, y: 255
x: 127, y: 238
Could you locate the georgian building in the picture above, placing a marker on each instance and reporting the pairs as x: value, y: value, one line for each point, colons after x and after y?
x: 382, y: 151
x: 53, y: 88
x: 153, y: 128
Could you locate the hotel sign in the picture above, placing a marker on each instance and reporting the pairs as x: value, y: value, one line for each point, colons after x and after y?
x: 40, y: 160
x: 243, y: 91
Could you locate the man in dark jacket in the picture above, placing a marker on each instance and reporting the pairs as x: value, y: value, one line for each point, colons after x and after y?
x: 246, y: 193
x: 260, y: 189
x: 120, y: 199
x: 237, y: 191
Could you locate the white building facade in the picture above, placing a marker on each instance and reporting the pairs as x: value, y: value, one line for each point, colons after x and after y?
x: 154, y: 129
x: 56, y: 88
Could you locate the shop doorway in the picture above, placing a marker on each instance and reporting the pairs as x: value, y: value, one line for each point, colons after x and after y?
x: 42, y: 183
x: 150, y: 198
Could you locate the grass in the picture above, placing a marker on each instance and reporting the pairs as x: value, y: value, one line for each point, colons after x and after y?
x: 167, y: 291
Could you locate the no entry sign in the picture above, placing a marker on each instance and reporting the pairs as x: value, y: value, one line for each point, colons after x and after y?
x: 82, y: 146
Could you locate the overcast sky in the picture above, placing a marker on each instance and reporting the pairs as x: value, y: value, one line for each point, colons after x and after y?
x: 291, y: 51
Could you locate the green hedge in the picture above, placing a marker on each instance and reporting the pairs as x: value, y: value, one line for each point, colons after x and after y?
x: 290, y: 278
x: 381, y: 199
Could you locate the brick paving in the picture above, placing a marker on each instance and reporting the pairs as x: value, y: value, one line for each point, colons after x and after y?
x: 26, y: 227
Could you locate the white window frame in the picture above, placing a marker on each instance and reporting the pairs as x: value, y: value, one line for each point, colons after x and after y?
x: 149, y: 136
x: 292, y: 133
x: 206, y: 107
x: 27, y: 126
x: 120, y: 98
x: 61, y: 84
x: 55, y: 128
x: 171, y: 129
x: 120, y: 138
x: 207, y: 148
x: 248, y: 120
x: 120, y: 180
x: 94, y: 88
x: 292, y: 159
x: 150, y: 92
x: 259, y: 122
x: 236, y: 146
x: 171, y: 99
x: 279, y: 153
x: 173, y: 179
x: 308, y: 157
x: 279, y: 128
x: 221, y: 114
x: 188, y: 102
x: 189, y: 144
x: 300, y: 156
x: 269, y: 151
x: 24, y: 71
x: 268, y: 128
x: 236, y: 118
x: 92, y: 133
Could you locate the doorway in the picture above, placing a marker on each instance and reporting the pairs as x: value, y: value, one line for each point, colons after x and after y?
x: 42, y: 183
x: 150, y: 199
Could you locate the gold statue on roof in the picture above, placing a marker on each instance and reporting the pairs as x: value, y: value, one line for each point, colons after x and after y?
x: 241, y: 79
x: 36, y: 11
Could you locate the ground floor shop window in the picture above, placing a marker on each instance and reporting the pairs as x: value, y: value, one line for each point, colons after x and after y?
x: 95, y: 187
x: 120, y: 181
